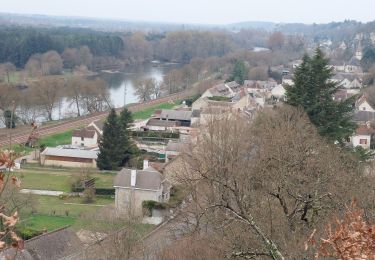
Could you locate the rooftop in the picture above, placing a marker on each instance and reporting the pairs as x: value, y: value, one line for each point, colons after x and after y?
x: 147, y: 179
x: 75, y: 153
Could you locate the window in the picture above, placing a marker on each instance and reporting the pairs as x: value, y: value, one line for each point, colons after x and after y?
x: 364, y: 108
x: 362, y: 141
x: 82, y: 138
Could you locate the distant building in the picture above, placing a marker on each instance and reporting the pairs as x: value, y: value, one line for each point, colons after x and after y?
x: 154, y: 124
x: 98, y: 126
x: 181, y: 117
x: 365, y: 104
x: 135, y: 186
x: 362, y: 136
x: 86, y: 137
x: 69, y: 157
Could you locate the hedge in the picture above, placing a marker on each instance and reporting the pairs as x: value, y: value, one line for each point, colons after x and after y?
x: 99, y: 191
x: 155, y: 134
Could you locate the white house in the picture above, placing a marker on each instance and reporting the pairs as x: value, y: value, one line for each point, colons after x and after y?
x: 355, y: 84
x: 363, y: 104
x: 98, y: 126
x: 345, y: 83
x: 362, y: 136
x: 86, y: 137
x: 132, y: 187
x: 278, y: 92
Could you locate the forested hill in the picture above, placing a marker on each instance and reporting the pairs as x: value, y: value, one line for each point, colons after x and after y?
x: 18, y: 44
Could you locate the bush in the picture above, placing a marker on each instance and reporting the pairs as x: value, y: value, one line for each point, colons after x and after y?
x: 89, y: 195
x: 149, y: 205
x: 105, y: 191
x: 155, y: 134
x: 27, y: 233
x: 98, y: 191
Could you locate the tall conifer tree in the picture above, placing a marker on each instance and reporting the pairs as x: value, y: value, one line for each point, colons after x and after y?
x: 313, y: 91
x: 111, y: 150
x: 130, y: 150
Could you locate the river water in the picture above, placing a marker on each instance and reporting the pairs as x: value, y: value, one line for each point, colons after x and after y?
x: 120, y: 86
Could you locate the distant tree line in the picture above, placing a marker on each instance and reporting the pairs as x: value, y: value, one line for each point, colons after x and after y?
x: 18, y: 44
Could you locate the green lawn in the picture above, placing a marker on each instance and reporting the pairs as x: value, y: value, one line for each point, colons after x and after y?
x: 41, y: 178
x: 46, y: 222
x: 49, y: 212
x: 57, y: 139
x: 146, y: 113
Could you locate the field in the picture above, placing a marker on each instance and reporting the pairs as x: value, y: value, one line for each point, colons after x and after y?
x: 50, y: 212
x: 146, y: 113
x: 58, y: 179
x: 57, y: 139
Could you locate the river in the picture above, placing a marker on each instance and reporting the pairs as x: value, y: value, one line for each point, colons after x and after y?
x: 120, y: 86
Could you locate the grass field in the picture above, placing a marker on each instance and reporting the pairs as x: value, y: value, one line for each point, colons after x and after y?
x: 57, y: 139
x: 146, y: 113
x: 48, y: 212
x: 58, y: 179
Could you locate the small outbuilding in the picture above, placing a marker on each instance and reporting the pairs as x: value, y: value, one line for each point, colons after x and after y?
x: 69, y: 157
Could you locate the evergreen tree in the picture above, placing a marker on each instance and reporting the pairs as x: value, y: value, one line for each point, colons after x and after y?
x: 313, y: 90
x: 10, y: 120
x: 239, y: 73
x: 111, y: 150
x: 130, y: 150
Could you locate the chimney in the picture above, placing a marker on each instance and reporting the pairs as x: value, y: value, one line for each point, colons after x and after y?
x: 145, y: 164
x: 133, y: 177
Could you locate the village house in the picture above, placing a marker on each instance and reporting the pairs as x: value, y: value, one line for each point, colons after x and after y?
x: 86, y: 137
x: 181, y: 117
x: 278, y: 92
x: 69, y: 157
x: 132, y: 187
x: 154, y: 124
x: 228, y: 89
x: 362, y: 136
x: 58, y: 244
x: 365, y: 104
x: 98, y: 126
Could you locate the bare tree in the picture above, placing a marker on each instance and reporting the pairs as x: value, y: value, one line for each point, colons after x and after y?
x: 145, y: 88
x: 95, y: 96
x: 51, y: 63
x: 75, y: 90
x: 276, y: 41
x: 264, y: 185
x: 48, y: 94
x: 34, y: 65
x: 6, y: 69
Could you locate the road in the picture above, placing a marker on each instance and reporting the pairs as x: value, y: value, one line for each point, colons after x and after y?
x: 21, y: 137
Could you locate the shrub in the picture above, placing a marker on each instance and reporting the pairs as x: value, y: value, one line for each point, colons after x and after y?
x: 88, y: 195
x: 149, y: 205
x: 26, y: 233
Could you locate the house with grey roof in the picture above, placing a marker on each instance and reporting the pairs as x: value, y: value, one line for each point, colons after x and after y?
x: 181, y: 117
x: 57, y: 244
x: 133, y: 186
x: 68, y: 157
x: 86, y: 137
x: 155, y: 124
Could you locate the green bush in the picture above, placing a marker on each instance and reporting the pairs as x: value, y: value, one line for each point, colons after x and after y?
x: 149, y: 205
x: 155, y: 134
x: 27, y: 233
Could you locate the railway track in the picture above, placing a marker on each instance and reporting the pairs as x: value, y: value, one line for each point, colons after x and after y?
x: 43, y: 131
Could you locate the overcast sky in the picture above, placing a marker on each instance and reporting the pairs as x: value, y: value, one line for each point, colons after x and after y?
x: 201, y: 11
